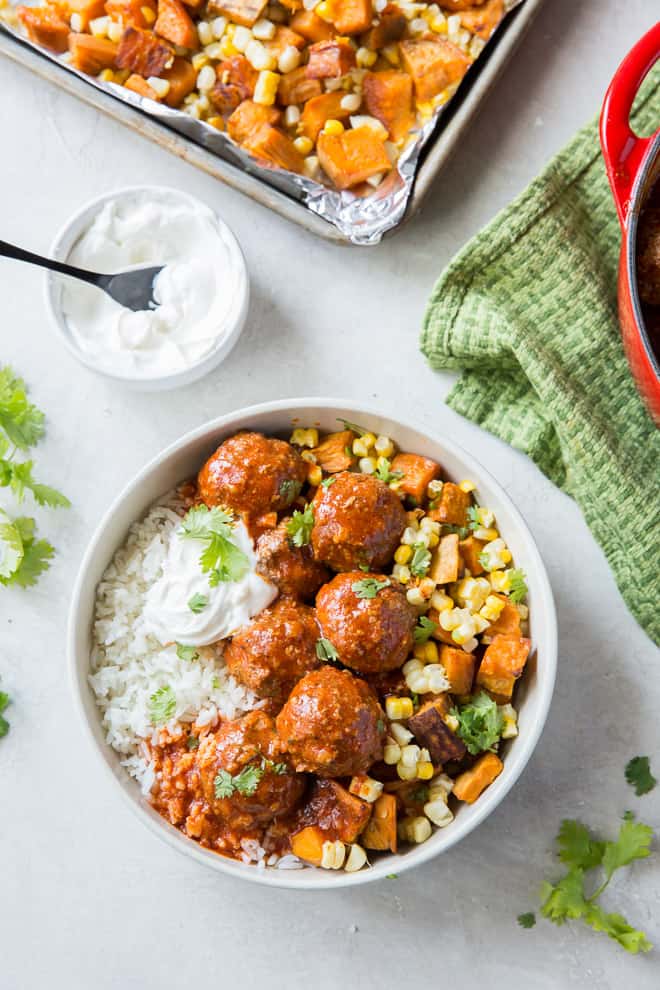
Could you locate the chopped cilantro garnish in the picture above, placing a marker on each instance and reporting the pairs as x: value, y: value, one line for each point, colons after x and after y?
x: 4, y: 724
x: 192, y: 742
x: 328, y: 481
x: 473, y: 517
x: 290, y: 490
x: 186, y: 652
x: 479, y: 723
x: 278, y: 768
x: 162, y: 705
x: 517, y: 586
x: 197, y: 603
x: 420, y: 794
x: 245, y: 782
x: 420, y: 560
x: 221, y: 559
x: 392, y: 876
x: 325, y: 650
x: 424, y: 629
x: 380, y: 725
x: 215, y: 683
x: 639, y: 776
x: 527, y: 920
x: 353, y: 427
x: 415, y: 699
x: 369, y: 587
x: 300, y: 525
x: 384, y: 473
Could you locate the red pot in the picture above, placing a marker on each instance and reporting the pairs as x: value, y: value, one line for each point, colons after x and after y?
x: 633, y: 167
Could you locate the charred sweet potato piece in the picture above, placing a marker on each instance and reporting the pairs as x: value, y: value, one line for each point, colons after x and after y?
x: 483, y: 20
x: 307, y: 844
x: 456, y: 5
x: 90, y: 54
x: 333, y: 454
x: 351, y: 16
x: 248, y: 117
x: 352, y: 157
x: 388, y: 97
x: 87, y: 10
x: 245, y: 12
x: 236, y: 82
x: 140, y: 86
x: 459, y: 668
x: 175, y: 24
x: 45, y: 26
x: 445, y: 560
x: 315, y: 113
x: 430, y: 730
x: 274, y: 146
x: 330, y: 59
x: 391, y: 27
x: 283, y: 38
x: 507, y: 622
x: 470, y: 550
x: 311, y: 26
x: 335, y: 811
x: 295, y: 87
x: 130, y: 12
x: 469, y: 785
x: 417, y: 471
x: 433, y: 64
x: 182, y: 79
x: 502, y: 663
x: 380, y: 832
x: 452, y: 507
x: 144, y: 53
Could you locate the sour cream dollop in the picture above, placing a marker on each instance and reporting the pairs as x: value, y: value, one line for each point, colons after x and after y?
x: 198, y: 294
x: 230, y: 603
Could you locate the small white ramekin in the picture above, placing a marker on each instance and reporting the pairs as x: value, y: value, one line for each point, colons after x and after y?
x: 61, y: 248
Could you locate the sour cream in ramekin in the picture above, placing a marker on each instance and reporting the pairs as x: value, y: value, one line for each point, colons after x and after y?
x: 201, y: 294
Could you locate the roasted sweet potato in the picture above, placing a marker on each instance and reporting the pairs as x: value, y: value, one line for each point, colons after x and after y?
x: 311, y: 26
x: 274, y: 146
x: 388, y: 97
x: 182, y: 78
x: 417, y: 471
x: 351, y: 16
x: 307, y: 844
x: 334, y: 454
x: 296, y: 88
x: 430, y: 730
x: 470, y: 550
x: 315, y: 113
x: 483, y: 20
x: 140, y: 86
x: 45, y: 26
x: 507, y: 622
x: 130, y: 12
x: 292, y: 5
x: 283, y: 38
x: 445, y: 560
x: 352, y: 157
x: 391, y: 27
x: 456, y: 5
x: 330, y: 59
x: 502, y: 663
x: 245, y: 12
x: 469, y: 785
x: 236, y: 82
x: 339, y: 814
x: 380, y: 832
x: 452, y: 507
x: 87, y: 10
x: 459, y: 667
x: 433, y: 64
x: 144, y: 53
x: 174, y: 23
x: 90, y: 54
x: 248, y: 118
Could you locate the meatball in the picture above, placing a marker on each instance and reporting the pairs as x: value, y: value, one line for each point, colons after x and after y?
x: 332, y: 724
x: 648, y: 256
x: 275, y: 650
x: 358, y: 522
x: 247, y: 744
x: 293, y: 570
x: 370, y: 634
x: 252, y: 474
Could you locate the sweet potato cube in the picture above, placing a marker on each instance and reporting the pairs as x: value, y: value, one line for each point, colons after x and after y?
x: 283, y: 38
x: 352, y: 157
x: 459, y: 667
x: 334, y: 454
x: 452, y: 507
x: 175, y: 24
x: 307, y: 844
x: 470, y: 550
x: 144, y: 53
x: 330, y: 59
x: 388, y: 97
x: 507, y: 622
x: 351, y: 16
x: 311, y: 26
x: 45, y: 26
x: 417, y: 471
x: 245, y: 12
x: 380, y: 832
x: 445, y: 560
x: 296, y: 88
x: 469, y: 785
x: 502, y: 663
x: 90, y: 54
x: 274, y: 146
x: 315, y: 113
x: 430, y: 730
x: 182, y: 79
x: 236, y: 81
x: 248, y: 118
x: 391, y: 27
x: 483, y: 20
x: 339, y: 814
x: 129, y: 12
x: 433, y: 64
x: 138, y: 85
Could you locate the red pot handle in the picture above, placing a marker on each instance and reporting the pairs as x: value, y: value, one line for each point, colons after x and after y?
x: 622, y: 149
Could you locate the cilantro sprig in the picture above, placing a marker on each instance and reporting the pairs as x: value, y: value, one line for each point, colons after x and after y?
x: 162, y: 705
x: 420, y: 560
x: 638, y: 774
x: 299, y: 526
x: 369, y: 587
x: 480, y: 723
x: 384, y: 471
x: 221, y: 559
x: 325, y: 650
x: 474, y: 521
x: 517, y: 586
x: 527, y: 920
x: 188, y: 653
x: 424, y: 629
x: 247, y: 781
x: 4, y: 724
x: 353, y: 427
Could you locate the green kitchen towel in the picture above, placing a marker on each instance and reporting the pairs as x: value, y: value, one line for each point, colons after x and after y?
x: 528, y: 312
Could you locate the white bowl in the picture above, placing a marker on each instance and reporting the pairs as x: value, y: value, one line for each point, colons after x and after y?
x: 181, y: 460
x: 64, y: 243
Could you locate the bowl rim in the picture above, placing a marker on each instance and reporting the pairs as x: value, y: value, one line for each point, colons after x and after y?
x: 416, y: 856
x: 76, y: 224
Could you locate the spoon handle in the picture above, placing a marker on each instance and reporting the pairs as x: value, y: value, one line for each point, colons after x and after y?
x: 20, y: 254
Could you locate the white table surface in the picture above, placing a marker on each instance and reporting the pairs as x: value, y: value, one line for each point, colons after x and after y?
x: 89, y: 897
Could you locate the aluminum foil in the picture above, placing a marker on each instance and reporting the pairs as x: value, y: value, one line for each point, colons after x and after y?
x: 362, y: 220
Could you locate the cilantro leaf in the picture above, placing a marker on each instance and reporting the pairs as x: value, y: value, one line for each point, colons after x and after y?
x: 197, y: 603
x: 638, y: 774
x: 527, y: 920
x: 188, y: 653
x: 424, y: 629
x: 22, y: 422
x: 19, y: 478
x: 221, y: 559
x: 290, y: 490
x: 37, y: 555
x: 577, y: 848
x: 564, y: 899
x: 369, y: 587
x: 245, y: 782
x: 420, y: 560
x: 192, y: 742
x: 384, y: 472
x: 474, y: 522
x: 353, y: 427
x: 632, y: 843
x: 4, y: 724
x: 162, y: 705
x: 299, y: 526
x: 223, y: 785
x: 11, y: 548
x: 479, y: 723
x: 325, y: 650
x: 329, y: 481
x: 517, y: 586
x: 617, y: 928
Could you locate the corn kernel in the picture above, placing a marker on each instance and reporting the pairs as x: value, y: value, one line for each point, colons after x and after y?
x: 204, y: 33
x: 263, y: 29
x: 499, y: 581
x: 417, y: 25
x: 311, y: 167
x: 364, y: 57
x: 357, y: 857
x: 431, y: 651
x: 398, y: 708
x: 410, y: 536
x: 241, y: 37
x: 451, y: 722
x: 506, y: 555
x: 99, y: 27
x: 467, y: 486
x: 367, y: 465
x: 199, y: 60
x: 382, y: 445
x: 217, y: 122
x: 427, y: 587
x: 424, y: 770
x: 115, y: 32
x: 332, y: 855
x: 406, y: 773
x: 391, y: 754
x: 292, y: 116
x: 486, y: 516
x: 491, y: 608
x: 401, y: 735
x: 366, y: 788
x: 323, y: 10
x: 523, y: 611
x: 441, y: 602
x: 417, y: 830
x: 218, y: 27
x: 417, y: 682
x: 436, y: 678
x: 415, y: 597
x: 434, y: 488
x: 76, y: 23
x: 289, y: 59
x: 510, y: 723
x: 391, y: 53
x: 461, y: 634
x: 106, y: 75
x: 314, y: 475
x: 206, y: 78
x: 441, y: 786
x: 222, y: 49
x: 265, y: 89
x: 434, y: 539
x: 160, y: 86
x: 401, y: 573
x: 486, y: 534
x: 403, y: 554
x: 439, y: 25
x: 305, y: 438
x: 438, y: 812
x: 149, y: 15
x: 360, y: 448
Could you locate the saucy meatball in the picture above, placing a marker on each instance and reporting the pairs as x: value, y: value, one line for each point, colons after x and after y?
x: 648, y: 255
x: 293, y: 570
x: 358, y: 522
x: 252, y: 474
x: 247, y: 744
x: 275, y: 650
x: 332, y: 724
x: 370, y: 634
